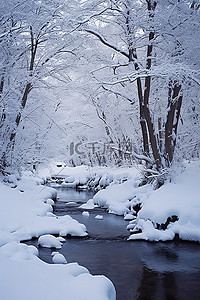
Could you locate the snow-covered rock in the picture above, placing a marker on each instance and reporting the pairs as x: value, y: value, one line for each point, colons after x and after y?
x: 99, y: 217
x: 88, y: 205
x: 19, y: 252
x: 58, y: 258
x: 85, y: 213
x: 85, y: 176
x: 49, y: 241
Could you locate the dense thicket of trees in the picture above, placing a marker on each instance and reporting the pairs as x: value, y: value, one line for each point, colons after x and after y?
x: 35, y: 45
x: 155, y: 48
x: 136, y: 61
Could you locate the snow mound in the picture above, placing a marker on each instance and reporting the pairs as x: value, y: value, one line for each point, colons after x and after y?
x: 129, y: 216
x: 85, y: 213
x: 99, y: 217
x: 88, y: 205
x: 49, y: 241
x: 58, y: 258
x: 121, y: 198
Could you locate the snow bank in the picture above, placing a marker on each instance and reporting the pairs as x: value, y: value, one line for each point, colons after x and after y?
x: 178, y: 202
x: 26, y: 212
x: 24, y: 276
x: 115, y: 197
x: 121, y: 198
x: 85, y: 176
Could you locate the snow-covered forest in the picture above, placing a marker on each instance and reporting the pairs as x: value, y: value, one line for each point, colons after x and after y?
x: 99, y: 95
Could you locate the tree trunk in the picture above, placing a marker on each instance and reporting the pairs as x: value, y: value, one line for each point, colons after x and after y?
x: 11, y: 139
x: 174, y: 106
x: 18, y: 118
x: 147, y: 88
x: 3, y: 115
x: 133, y: 58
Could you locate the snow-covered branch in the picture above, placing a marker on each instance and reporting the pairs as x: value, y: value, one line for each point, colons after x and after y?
x: 108, y: 44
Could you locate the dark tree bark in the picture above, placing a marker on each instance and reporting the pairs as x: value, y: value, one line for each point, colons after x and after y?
x: 174, y: 106
x: 133, y: 58
x: 3, y: 114
x: 34, y: 45
x: 146, y: 122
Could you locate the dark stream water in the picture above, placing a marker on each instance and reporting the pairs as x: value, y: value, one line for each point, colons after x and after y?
x: 139, y: 270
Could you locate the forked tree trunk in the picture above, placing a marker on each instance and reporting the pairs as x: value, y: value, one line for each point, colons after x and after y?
x: 146, y: 122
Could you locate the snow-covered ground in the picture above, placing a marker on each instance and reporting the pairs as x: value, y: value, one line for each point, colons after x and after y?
x: 26, y: 212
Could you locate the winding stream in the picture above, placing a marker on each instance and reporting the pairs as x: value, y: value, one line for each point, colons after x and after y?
x: 139, y: 270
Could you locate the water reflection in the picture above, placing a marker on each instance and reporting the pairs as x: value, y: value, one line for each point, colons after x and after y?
x: 171, y: 271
